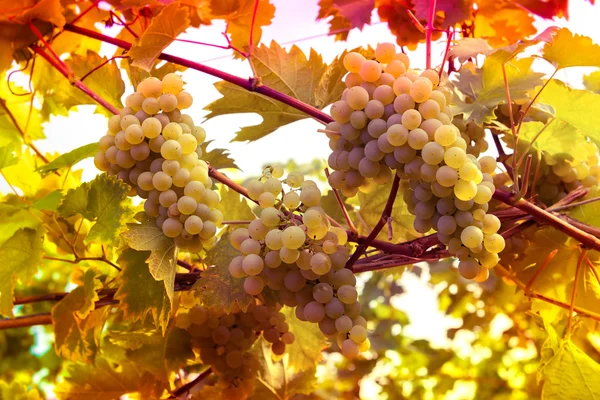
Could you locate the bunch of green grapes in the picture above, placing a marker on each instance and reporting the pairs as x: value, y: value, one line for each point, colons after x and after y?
x: 390, y: 118
x: 473, y: 135
x: 223, y: 340
x: 155, y: 149
x: 292, y: 249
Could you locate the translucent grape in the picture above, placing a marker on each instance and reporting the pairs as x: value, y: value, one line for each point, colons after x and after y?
x: 471, y: 236
x: 468, y: 268
x: 253, y: 285
x: 370, y: 71
x: 446, y: 135
x: 293, y: 237
x: 357, y: 97
x: 465, y: 190
x: 446, y: 176
x: 411, y: 119
x: 455, y: 157
x: 494, y: 243
x: 353, y: 61
x: 421, y: 90
x: 171, y: 150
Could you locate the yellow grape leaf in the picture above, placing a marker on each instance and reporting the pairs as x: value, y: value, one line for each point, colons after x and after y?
x: 591, y: 81
x: 275, y: 380
x: 502, y: 22
x: 68, y: 160
x: 76, y: 338
x: 371, y: 206
x: 139, y: 294
x: 217, y: 158
x: 240, y: 22
x: 557, y: 280
x: 568, y: 50
x: 163, y: 30
x: 45, y: 10
x: 573, y: 106
x: 570, y: 375
x: 91, y: 284
x: 301, y: 356
x: 234, y: 205
x: 21, y: 255
x: 559, y: 139
x: 18, y: 391
x: 289, y: 72
x: 455, y: 11
x: 345, y: 14
x: 26, y: 119
x: 14, y: 216
x: 102, y: 380
x: 588, y: 213
x: 468, y: 48
x: 223, y: 8
x: 485, y: 86
x: 216, y: 288
x: 7, y: 156
x: 23, y: 174
x: 162, y: 262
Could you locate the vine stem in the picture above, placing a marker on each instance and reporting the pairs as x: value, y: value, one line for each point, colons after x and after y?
x: 22, y: 132
x: 248, y: 84
x: 75, y: 82
x: 429, y: 32
x: 188, y: 386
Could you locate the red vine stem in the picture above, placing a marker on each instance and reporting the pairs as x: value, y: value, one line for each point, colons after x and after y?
x: 76, y: 82
x: 247, y: 84
x: 429, y: 32
x: 188, y: 386
x: 387, y: 212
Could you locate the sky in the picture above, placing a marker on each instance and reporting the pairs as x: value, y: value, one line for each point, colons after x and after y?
x: 300, y: 141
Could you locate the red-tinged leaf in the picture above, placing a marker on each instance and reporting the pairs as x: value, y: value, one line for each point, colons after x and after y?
x: 345, y: 15
x: 139, y: 294
x: 164, y: 29
x: 240, y: 22
x: 396, y: 13
x: 45, y: 10
x: 546, y: 8
x: 455, y: 11
x: 502, y: 22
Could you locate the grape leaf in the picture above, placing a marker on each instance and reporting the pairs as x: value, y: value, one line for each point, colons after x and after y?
x: 136, y: 75
x: 546, y: 8
x: 469, y: 48
x: 103, y: 200
x: 216, y: 288
x: 14, y: 217
x: 100, y: 381
x: 217, y: 158
x: 234, y: 205
x: 7, y: 156
x: 591, y: 81
x: 560, y: 139
x: 21, y: 255
x: 240, y: 22
x: 588, y: 213
x: 301, y: 356
x: 22, y: 174
x: 275, y: 381
x: 49, y: 202
x: 289, y: 72
x: 45, y: 10
x: 91, y: 284
x: 223, y: 8
x: 139, y: 294
x: 163, y: 30
x: 348, y: 14
x: 455, y: 11
x: 75, y: 338
x: 371, y: 206
x: 485, y: 86
x: 570, y: 374
x: 69, y: 159
x: 568, y: 50
x: 18, y: 121
x: 332, y: 208
x: 396, y: 13
x: 502, y: 22
x: 162, y: 262
x: 18, y: 391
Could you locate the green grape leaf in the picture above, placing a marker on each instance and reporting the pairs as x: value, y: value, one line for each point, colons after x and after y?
x: 275, y: 380
x: 139, y: 294
x: 485, y: 86
x: 332, y: 207
x: 69, y: 159
x: 76, y: 338
x: 21, y: 255
x: 162, y: 262
x: 91, y: 284
x: 216, y: 288
x: 162, y: 355
x: 163, y: 30
x: 369, y: 212
x: 49, y: 202
x: 557, y: 281
x: 559, y: 139
x: 23, y: 175
x: 100, y: 381
x: 301, y: 356
x: 289, y: 72
x: 570, y: 374
x: 13, y: 216
x: 18, y: 391
x: 7, y: 156
x: 217, y: 158
x: 591, y: 81
x: 240, y: 22
x: 573, y: 106
x: 234, y: 205
x: 104, y: 201
x: 568, y: 50
x: 588, y: 213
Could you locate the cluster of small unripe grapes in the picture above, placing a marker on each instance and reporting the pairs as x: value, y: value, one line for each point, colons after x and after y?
x: 292, y: 249
x: 155, y: 149
x: 472, y: 134
x: 391, y: 118
x: 223, y: 340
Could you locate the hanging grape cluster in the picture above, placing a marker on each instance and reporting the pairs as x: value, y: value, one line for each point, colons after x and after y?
x: 223, y: 340
x: 292, y: 249
x: 155, y: 149
x: 391, y: 118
